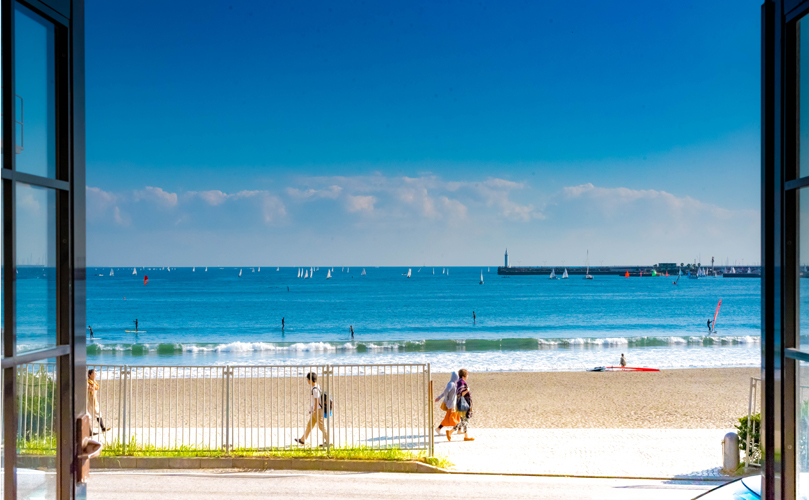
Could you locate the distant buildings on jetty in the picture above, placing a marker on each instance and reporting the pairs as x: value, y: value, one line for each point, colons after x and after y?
x: 660, y: 269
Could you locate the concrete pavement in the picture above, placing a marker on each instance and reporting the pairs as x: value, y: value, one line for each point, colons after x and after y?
x: 298, y: 485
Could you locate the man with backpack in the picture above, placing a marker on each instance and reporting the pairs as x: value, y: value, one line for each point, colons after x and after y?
x: 318, y: 411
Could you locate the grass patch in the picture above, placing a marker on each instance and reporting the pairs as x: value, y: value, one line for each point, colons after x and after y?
x: 134, y: 449
x: 47, y: 446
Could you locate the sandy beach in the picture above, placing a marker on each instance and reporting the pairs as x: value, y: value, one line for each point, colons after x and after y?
x: 711, y: 398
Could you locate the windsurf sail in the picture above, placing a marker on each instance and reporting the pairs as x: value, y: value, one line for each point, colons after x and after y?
x: 626, y: 275
x: 145, y: 280
x: 716, y: 314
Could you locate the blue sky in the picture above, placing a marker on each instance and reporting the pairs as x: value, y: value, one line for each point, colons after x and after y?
x: 404, y: 133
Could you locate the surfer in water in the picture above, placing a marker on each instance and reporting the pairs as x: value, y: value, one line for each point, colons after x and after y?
x: 623, y: 360
x: 351, y: 327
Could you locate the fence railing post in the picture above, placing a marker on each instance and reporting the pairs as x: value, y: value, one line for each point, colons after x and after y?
x: 326, y: 412
x: 430, y: 410
x: 125, y: 413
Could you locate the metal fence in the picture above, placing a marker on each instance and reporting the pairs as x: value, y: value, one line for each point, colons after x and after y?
x: 246, y: 407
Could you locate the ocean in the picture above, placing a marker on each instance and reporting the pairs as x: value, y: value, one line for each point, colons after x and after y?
x: 215, y: 317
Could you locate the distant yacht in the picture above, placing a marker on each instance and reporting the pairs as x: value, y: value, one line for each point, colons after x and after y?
x: 587, y: 276
x: 134, y: 271
x: 553, y: 275
x: 306, y: 274
x: 193, y: 269
x: 112, y: 272
x: 259, y: 268
x: 206, y: 269
x: 564, y: 275
x: 481, y: 277
x: 328, y: 275
x: 240, y: 273
x: 408, y: 273
x: 277, y: 268
x: 363, y: 272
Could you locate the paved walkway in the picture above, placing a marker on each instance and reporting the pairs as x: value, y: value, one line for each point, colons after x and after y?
x: 295, y: 485
x: 589, y: 452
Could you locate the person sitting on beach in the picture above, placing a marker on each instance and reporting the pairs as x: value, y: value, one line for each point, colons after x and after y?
x: 316, y: 416
x: 623, y: 360
x: 450, y: 399
x: 463, y: 393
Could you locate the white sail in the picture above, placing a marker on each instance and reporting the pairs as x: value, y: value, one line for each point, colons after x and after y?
x: 134, y: 271
x: 587, y: 276
x: 306, y: 275
x: 481, y: 276
x: 408, y: 273
x: 363, y: 272
x: 553, y: 274
x: 240, y: 273
x: 328, y: 275
x: 193, y: 269
x: 206, y: 269
x: 168, y: 269
x: 259, y: 268
x: 348, y: 269
x: 564, y: 275
x: 447, y: 272
x: 433, y: 270
x: 444, y: 270
x: 112, y: 272
x: 278, y: 268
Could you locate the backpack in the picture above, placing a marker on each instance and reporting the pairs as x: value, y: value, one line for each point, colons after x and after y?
x: 325, y: 401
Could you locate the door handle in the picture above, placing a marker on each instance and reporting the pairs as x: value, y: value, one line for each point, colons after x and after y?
x: 86, y: 446
x: 92, y: 449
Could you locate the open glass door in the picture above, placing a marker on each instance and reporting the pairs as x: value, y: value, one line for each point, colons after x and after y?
x: 42, y: 374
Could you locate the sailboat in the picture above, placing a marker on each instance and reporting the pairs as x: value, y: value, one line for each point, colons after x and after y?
x: 112, y: 272
x: 240, y: 273
x: 168, y: 269
x: 348, y: 269
x: 433, y: 270
x: 259, y: 268
x: 299, y: 273
x: 587, y: 276
x: 553, y: 275
x: 444, y: 270
x: 193, y: 269
x: 278, y: 268
x: 447, y: 272
x: 363, y: 272
x: 564, y: 275
x: 306, y: 275
x: 134, y: 271
x: 481, y: 276
x: 206, y: 269
x: 328, y: 275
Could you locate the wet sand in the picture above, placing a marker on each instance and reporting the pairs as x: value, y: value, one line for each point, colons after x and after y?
x: 710, y: 398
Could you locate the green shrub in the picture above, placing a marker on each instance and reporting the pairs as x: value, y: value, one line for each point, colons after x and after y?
x: 754, y: 428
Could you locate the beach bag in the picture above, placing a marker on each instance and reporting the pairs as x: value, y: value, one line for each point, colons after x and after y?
x: 444, y: 406
x: 463, y: 404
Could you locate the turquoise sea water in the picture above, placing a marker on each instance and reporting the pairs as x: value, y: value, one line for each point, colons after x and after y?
x: 523, y: 322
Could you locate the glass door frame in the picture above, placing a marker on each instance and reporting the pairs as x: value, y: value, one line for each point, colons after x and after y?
x: 67, y: 17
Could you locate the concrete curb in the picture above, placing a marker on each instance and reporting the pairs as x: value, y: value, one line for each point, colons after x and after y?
x: 253, y: 463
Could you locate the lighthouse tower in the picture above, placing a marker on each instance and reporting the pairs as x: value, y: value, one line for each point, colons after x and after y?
x: 506, y: 258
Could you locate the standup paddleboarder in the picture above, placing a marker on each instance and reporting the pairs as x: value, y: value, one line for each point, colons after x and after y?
x: 282, y: 323
x: 91, y: 330
x: 351, y: 327
x: 474, y: 319
x: 136, y: 325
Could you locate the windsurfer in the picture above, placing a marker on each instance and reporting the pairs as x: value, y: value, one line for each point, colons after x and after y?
x: 710, y: 330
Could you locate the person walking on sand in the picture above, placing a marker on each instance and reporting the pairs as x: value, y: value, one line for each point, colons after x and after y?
x: 316, y: 411
x: 464, y: 395
x: 623, y: 360
x: 93, y: 400
x: 449, y: 399
x: 351, y: 327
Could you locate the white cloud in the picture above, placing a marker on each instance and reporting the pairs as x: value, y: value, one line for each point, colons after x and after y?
x: 214, y: 197
x: 332, y: 192
x: 156, y: 195
x: 361, y: 203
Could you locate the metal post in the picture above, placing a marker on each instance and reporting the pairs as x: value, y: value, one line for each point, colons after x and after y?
x: 430, y: 410
x: 228, y: 382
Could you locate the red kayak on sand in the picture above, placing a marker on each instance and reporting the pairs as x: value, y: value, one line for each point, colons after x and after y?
x: 622, y: 368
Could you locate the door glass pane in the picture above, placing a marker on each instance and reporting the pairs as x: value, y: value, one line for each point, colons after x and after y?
x: 802, y: 431
x: 35, y: 80
x: 36, y: 425
x: 36, y: 268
